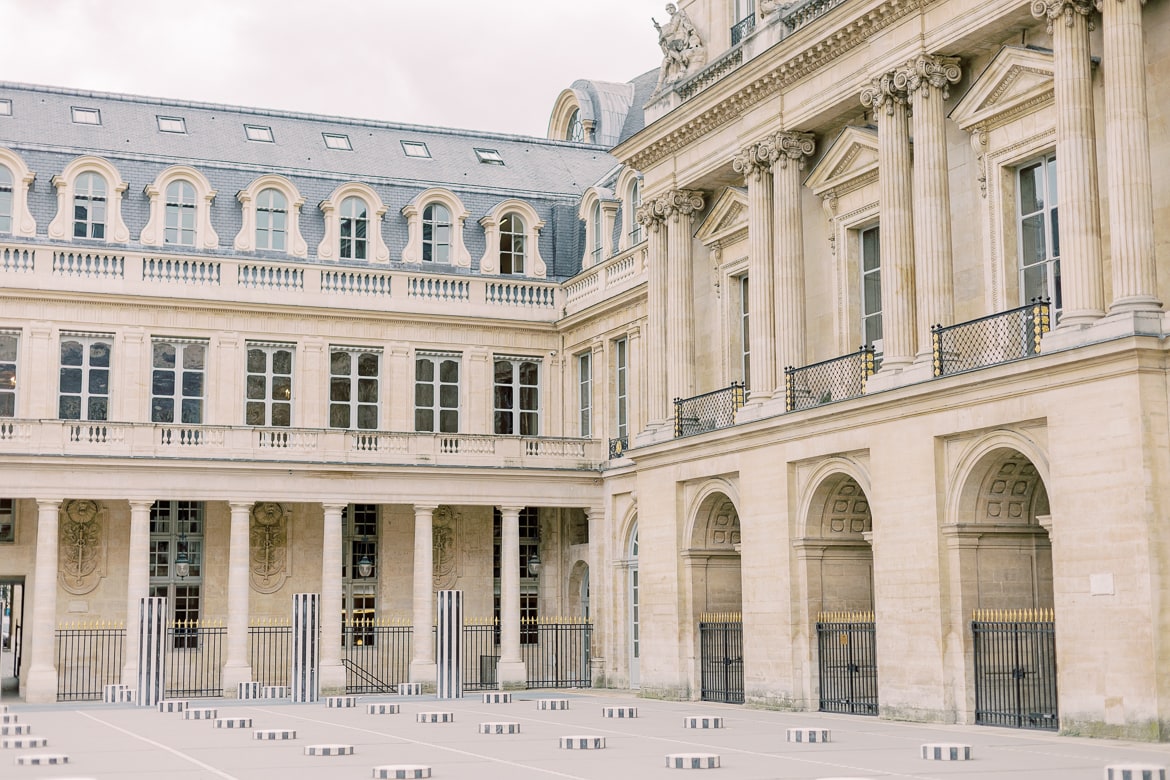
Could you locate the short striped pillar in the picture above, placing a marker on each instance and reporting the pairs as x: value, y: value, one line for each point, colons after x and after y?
x: 200, y: 713
x: 435, y: 717
x: 402, y: 772
x: 449, y: 644
x: 306, y: 656
x: 233, y: 723
x: 265, y: 734
x: 552, y: 704
x: 499, y: 728
x: 409, y: 689
x: 497, y: 697
x: 808, y: 735
x: 946, y: 752
x: 703, y: 722
x: 152, y: 637
x: 1135, y: 772
x: 116, y: 693
x: 619, y: 712
x: 248, y: 690
x: 692, y: 761
x: 582, y: 743
x: 335, y: 702
x: 382, y: 708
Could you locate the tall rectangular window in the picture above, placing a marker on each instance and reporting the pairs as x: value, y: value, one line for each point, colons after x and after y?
x: 176, y: 534
x: 871, y: 288
x: 7, y: 521
x: 177, y: 381
x: 353, y: 388
x: 1039, y: 232
x: 359, y: 574
x: 621, y: 373
x: 8, y: 362
x: 585, y: 393
x: 84, y: 388
x: 436, y: 393
x: 269, y: 385
x: 529, y: 544
x: 745, y: 361
x: 517, y: 396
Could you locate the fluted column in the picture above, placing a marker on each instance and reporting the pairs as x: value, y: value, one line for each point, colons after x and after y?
x: 510, y: 672
x: 236, y: 668
x: 1076, y: 160
x: 928, y: 78
x: 422, y: 664
x: 42, y: 672
x: 756, y: 166
x: 137, y: 581
x: 656, y: 399
x: 679, y: 207
x: 789, y: 151
x: 331, y: 673
x: 1131, y: 200
x: 888, y: 98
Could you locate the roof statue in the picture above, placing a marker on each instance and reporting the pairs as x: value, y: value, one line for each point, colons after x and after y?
x: 683, y: 52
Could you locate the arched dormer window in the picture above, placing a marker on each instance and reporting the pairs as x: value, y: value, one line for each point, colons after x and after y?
x: 434, y: 222
x: 598, y: 211
x: 629, y: 189
x: 353, y: 225
x: 572, y: 117
x: 272, y: 217
x: 180, y: 210
x: 15, y: 179
x: 576, y: 131
x: 512, y: 233
x: 89, y: 202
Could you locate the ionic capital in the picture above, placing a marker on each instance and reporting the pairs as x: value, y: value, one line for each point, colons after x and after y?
x: 927, y: 71
x: 679, y: 203
x: 885, y: 91
x: 784, y: 146
x: 648, y: 216
x: 1101, y: 3
x: 1051, y: 10
x: 752, y: 161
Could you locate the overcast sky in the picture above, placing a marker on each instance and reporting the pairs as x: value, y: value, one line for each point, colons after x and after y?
x: 491, y: 65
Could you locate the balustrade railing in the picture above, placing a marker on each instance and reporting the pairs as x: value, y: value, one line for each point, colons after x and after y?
x: 743, y: 28
x: 709, y: 411
x: 989, y: 341
x: 836, y: 379
x: 710, y: 74
x: 807, y: 12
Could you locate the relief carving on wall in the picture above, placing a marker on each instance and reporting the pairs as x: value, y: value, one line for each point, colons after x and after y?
x: 723, y: 527
x: 447, y: 526
x: 82, y: 546
x: 269, y: 543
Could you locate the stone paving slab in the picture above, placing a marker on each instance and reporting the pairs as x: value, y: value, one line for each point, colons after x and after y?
x: 121, y: 742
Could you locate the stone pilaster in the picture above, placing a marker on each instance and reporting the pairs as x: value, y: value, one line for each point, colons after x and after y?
x: 42, y: 671
x: 888, y: 97
x: 789, y: 151
x: 137, y: 581
x: 656, y: 400
x: 511, y: 671
x: 236, y: 668
x: 679, y: 207
x: 755, y: 163
x: 928, y: 79
x: 331, y: 673
x: 1127, y: 152
x: 1076, y: 155
x: 422, y: 662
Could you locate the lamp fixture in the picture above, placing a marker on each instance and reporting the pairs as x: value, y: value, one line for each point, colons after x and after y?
x: 534, y: 564
x: 365, y: 567
x: 182, y: 562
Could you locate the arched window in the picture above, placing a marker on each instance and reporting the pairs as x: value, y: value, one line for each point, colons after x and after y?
x: 89, y: 206
x: 512, y: 245
x: 576, y: 131
x: 271, y: 220
x: 6, y: 181
x: 354, y: 229
x: 595, y: 231
x: 635, y: 201
x: 180, y: 218
x: 436, y: 233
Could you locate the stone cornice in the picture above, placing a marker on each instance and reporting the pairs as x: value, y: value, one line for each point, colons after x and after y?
x: 772, y: 78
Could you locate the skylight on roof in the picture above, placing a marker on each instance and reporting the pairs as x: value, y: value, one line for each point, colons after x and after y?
x: 415, y: 149
x: 489, y: 156
x: 86, y: 116
x: 5, y: 107
x: 258, y: 133
x: 172, y: 124
x: 338, y: 141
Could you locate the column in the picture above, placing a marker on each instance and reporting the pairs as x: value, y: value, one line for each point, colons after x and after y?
x: 679, y: 207
x: 511, y: 672
x: 422, y: 662
x: 1076, y: 160
x: 332, y: 673
x: 635, y: 391
x: 137, y: 580
x: 888, y: 99
x: 755, y: 163
x: 236, y: 668
x: 790, y: 151
x: 656, y: 401
x: 1131, y: 200
x: 928, y: 78
x: 42, y: 672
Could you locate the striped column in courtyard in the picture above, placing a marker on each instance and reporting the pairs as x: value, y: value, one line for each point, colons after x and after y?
x: 306, y: 655
x: 152, y: 636
x: 449, y: 653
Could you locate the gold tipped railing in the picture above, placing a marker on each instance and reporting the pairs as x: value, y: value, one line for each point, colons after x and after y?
x: 846, y: 616
x: 721, y: 617
x: 1034, y: 615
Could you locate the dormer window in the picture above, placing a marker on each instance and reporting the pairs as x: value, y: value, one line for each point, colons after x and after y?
x: 258, y: 133
x: 512, y: 245
x: 338, y: 141
x: 576, y: 130
x: 5, y: 107
x: 489, y: 156
x: 172, y: 124
x: 86, y: 116
x: 415, y: 149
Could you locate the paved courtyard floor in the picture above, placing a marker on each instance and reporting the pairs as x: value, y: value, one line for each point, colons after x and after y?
x: 105, y: 741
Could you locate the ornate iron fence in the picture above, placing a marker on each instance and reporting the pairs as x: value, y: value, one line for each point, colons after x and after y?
x: 847, y: 663
x: 988, y: 341
x: 743, y: 28
x: 618, y: 447
x: 1015, y: 668
x: 377, y: 655
x: 835, y: 379
x: 89, y: 657
x: 194, y: 658
x: 481, y: 653
x: 721, y: 657
x: 801, y: 14
x: 559, y: 658
x: 708, y: 411
x: 270, y: 651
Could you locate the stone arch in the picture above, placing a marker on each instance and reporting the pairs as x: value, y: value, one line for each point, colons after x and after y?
x: 972, y: 483
x: 579, y: 589
x: 711, y: 550
x: 834, y: 549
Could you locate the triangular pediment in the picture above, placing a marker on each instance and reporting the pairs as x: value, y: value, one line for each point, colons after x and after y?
x: 1017, y: 81
x: 727, y: 216
x: 850, y: 160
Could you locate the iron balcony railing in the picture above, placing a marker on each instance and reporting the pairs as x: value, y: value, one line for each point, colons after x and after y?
x: 836, y: 379
x: 618, y: 446
x: 743, y: 28
x: 988, y: 341
x: 709, y: 411
x: 801, y: 14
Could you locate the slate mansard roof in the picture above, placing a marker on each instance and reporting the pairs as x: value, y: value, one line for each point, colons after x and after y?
x: 549, y: 175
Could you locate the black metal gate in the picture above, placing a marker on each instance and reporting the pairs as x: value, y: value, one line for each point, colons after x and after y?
x: 847, y: 662
x: 1015, y: 668
x: 194, y: 658
x: 89, y: 657
x: 721, y: 657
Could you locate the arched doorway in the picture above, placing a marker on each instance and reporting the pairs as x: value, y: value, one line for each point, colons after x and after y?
x: 632, y: 616
x: 713, y: 572
x: 837, y: 566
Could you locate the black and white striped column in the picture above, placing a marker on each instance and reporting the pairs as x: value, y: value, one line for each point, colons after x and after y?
x: 306, y: 656
x: 152, y: 637
x: 449, y: 653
